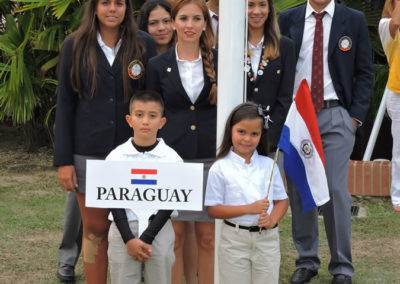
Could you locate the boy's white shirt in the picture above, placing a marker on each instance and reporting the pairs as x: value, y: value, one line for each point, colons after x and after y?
x: 127, y: 152
x: 232, y: 182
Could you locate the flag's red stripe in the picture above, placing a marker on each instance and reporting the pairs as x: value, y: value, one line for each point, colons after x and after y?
x: 143, y: 172
x: 305, y: 107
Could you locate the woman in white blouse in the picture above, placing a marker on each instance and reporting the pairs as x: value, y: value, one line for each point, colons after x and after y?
x: 185, y: 75
x: 390, y: 37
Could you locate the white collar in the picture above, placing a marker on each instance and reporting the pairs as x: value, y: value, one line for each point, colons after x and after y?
x: 258, y: 46
x: 157, y: 151
x: 102, y: 44
x: 212, y: 13
x: 232, y: 155
x: 329, y: 9
x: 182, y: 60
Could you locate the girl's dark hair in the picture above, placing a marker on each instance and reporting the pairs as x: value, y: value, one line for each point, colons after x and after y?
x: 147, y: 8
x: 206, y: 43
x: 85, y: 46
x: 272, y: 34
x: 243, y: 111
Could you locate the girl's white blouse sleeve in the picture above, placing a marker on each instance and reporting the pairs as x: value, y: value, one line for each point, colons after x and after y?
x: 215, y: 187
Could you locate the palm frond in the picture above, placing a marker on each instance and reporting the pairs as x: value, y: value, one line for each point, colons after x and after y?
x: 59, y: 7
x: 281, y: 5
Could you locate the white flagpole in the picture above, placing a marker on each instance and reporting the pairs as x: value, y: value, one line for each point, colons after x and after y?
x: 231, y: 51
x: 271, y: 175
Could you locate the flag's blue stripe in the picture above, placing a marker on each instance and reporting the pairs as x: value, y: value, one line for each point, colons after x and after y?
x: 143, y: 181
x: 284, y: 140
x: 294, y: 168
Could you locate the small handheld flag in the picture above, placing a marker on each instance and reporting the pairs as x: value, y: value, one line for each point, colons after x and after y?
x: 304, y: 157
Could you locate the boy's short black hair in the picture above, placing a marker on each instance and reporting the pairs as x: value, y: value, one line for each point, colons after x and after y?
x: 147, y: 96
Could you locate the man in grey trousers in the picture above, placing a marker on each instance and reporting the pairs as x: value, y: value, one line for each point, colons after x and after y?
x: 334, y: 54
x: 70, y: 247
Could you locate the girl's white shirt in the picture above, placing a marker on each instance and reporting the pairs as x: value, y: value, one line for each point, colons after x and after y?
x: 109, y: 52
x: 191, y: 74
x: 232, y: 182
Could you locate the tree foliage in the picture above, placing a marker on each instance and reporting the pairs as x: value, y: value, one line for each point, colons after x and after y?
x: 31, y: 36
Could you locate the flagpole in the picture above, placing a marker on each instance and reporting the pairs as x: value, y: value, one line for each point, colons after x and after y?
x: 231, y: 77
x: 271, y: 175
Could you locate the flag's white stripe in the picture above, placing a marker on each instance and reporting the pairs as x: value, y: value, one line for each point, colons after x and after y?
x: 314, y: 167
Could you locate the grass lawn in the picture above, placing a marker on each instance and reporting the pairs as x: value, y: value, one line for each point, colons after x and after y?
x: 32, y: 206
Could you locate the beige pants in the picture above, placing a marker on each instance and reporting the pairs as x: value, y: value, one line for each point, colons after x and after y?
x: 249, y: 257
x: 157, y: 270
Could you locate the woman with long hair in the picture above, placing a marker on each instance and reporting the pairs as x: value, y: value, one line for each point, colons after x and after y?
x: 186, y: 76
x: 270, y: 65
x: 101, y: 65
x: 155, y: 19
x: 390, y: 36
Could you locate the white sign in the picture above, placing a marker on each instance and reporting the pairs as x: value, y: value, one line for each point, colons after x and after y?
x: 144, y: 187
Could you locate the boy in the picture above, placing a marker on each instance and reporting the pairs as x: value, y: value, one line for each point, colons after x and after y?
x: 156, y: 245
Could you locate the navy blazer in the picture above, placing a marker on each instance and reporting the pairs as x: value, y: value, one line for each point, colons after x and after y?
x: 191, y: 128
x: 352, y: 70
x: 93, y: 125
x: 275, y: 87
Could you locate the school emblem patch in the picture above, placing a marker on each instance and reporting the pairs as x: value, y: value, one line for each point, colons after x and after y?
x: 306, y: 148
x: 135, y: 69
x: 345, y: 43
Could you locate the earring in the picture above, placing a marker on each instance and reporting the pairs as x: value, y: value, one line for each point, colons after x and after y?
x: 204, y: 29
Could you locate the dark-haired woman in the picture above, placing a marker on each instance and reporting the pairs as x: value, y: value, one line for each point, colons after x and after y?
x: 101, y: 65
x: 155, y: 18
x: 270, y: 65
x: 185, y: 75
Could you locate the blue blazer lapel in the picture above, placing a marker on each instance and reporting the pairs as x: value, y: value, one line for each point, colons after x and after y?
x: 173, y: 75
x: 297, y: 28
x: 102, y: 61
x: 205, y: 87
x: 337, y: 28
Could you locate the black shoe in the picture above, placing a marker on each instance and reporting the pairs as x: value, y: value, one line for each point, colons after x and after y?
x: 66, y: 272
x: 341, y: 279
x: 302, y: 275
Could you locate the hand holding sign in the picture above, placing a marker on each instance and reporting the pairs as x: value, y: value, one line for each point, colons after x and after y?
x: 144, y: 187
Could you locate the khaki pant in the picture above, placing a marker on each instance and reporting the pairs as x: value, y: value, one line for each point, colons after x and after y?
x: 125, y: 270
x: 249, y: 257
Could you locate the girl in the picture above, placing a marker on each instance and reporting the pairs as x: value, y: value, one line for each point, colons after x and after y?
x: 390, y: 37
x: 185, y: 76
x: 100, y: 66
x: 237, y: 190
x: 270, y: 65
x: 155, y: 18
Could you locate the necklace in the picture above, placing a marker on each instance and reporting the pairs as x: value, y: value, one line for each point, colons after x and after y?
x: 249, y: 70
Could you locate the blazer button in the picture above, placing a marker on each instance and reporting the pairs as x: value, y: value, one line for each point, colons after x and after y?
x: 110, y: 100
x: 111, y: 122
x: 256, y: 90
x: 193, y: 127
x: 192, y: 107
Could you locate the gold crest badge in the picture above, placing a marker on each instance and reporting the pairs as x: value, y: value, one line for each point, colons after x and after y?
x: 136, y: 69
